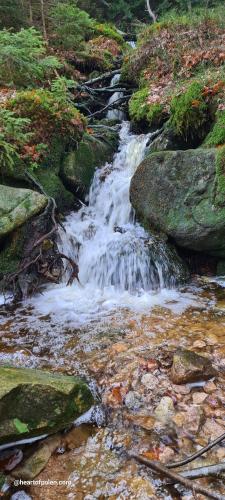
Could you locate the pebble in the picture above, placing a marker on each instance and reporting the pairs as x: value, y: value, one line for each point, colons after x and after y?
x: 210, y: 387
x: 199, y: 397
x: 149, y: 381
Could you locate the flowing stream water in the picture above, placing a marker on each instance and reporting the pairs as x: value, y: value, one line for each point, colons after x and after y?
x: 119, y: 328
x: 120, y: 265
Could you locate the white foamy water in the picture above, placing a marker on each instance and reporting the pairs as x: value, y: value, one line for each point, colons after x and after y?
x: 120, y: 266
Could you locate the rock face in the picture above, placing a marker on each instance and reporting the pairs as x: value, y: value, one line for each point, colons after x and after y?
x: 34, y: 402
x: 17, y: 206
x: 190, y: 367
x: 181, y: 193
x: 79, y: 166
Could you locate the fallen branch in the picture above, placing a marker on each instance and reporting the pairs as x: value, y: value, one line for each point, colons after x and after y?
x: 102, y: 77
x: 199, y: 453
x: 110, y: 106
x: 187, y: 483
x: 208, y: 470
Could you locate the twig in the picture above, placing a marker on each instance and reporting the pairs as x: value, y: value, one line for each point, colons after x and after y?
x: 187, y: 483
x: 208, y: 470
x: 110, y: 106
x: 75, y: 268
x: 197, y: 454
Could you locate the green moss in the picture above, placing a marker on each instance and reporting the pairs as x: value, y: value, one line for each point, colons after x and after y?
x: 189, y: 112
x: 140, y: 109
x: 11, y: 252
x: 109, y: 31
x: 54, y: 187
x: 217, y: 135
x: 220, y: 176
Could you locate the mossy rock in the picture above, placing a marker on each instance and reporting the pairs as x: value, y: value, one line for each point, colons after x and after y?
x: 79, y: 166
x: 17, y: 206
x: 34, y: 402
x: 182, y: 194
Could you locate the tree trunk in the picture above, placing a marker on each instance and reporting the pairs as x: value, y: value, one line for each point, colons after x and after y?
x: 43, y: 21
x: 30, y: 13
x: 150, y: 11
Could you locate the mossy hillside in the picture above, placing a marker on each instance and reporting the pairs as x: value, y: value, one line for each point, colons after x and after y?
x: 216, y: 136
x: 177, y: 77
x: 141, y: 110
x: 189, y: 113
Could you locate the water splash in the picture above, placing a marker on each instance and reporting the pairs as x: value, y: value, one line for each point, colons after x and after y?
x: 115, y: 114
x: 120, y: 264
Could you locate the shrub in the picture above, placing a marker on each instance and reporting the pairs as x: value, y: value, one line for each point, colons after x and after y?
x: 189, y: 112
x: 50, y: 116
x: 13, y: 136
x: 23, y: 59
x: 108, y: 31
x: 71, y: 25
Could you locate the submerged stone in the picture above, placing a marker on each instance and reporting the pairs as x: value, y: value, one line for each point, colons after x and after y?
x: 34, y: 402
x: 190, y: 367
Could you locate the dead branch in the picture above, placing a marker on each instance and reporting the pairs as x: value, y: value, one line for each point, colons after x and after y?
x: 187, y: 483
x: 75, y: 269
x: 109, y: 74
x: 110, y: 106
x: 197, y: 454
x: 208, y: 470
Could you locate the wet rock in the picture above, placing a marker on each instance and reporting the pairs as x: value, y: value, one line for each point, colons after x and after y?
x: 190, y: 367
x: 20, y: 495
x: 198, y: 398
x: 210, y: 387
x: 78, y: 436
x: 34, y: 402
x: 149, y: 381
x: 10, y: 458
x: 212, y: 429
x: 189, y: 420
x: 17, y: 205
x: 165, y: 409
x: 132, y: 400
x: 34, y: 464
x: 188, y: 207
x: 167, y: 455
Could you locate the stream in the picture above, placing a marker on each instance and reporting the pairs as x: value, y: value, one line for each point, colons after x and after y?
x: 118, y: 328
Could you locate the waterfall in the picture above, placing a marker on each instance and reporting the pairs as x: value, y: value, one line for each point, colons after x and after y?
x: 115, y: 114
x: 119, y: 263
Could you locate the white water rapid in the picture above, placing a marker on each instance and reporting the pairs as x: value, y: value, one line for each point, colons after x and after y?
x: 115, y: 114
x: 120, y: 265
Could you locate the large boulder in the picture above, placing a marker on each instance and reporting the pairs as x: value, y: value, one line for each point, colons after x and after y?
x: 181, y: 194
x: 79, y: 166
x: 17, y: 205
x: 35, y: 402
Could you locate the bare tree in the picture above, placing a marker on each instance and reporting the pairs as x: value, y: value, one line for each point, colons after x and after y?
x: 43, y: 20
x: 150, y: 11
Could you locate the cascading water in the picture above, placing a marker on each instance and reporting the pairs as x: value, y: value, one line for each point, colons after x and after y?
x: 119, y: 263
x: 115, y: 114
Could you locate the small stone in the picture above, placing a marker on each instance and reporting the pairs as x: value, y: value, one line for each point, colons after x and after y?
x: 165, y: 409
x: 190, y: 367
x: 220, y: 453
x: 199, y: 344
x: 132, y: 400
x: 210, y: 387
x: 182, y: 389
x: 212, y: 429
x: 199, y: 397
x: 190, y: 420
x: 118, y: 347
x: 33, y: 465
x: 149, y: 381
x: 166, y: 455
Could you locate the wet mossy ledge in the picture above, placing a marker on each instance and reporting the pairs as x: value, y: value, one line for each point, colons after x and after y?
x: 35, y: 402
